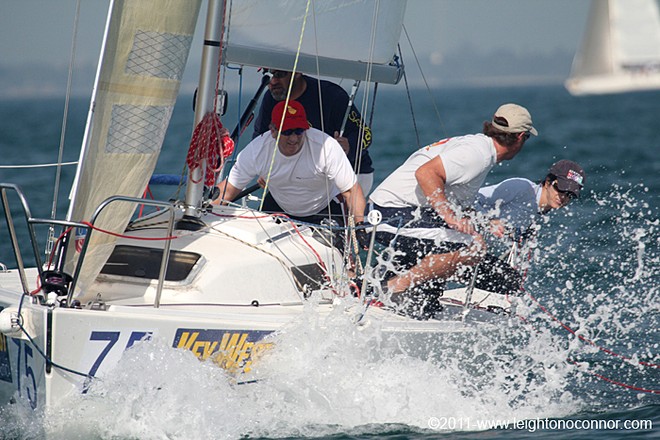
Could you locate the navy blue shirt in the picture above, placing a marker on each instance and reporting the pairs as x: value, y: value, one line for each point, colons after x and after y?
x: 335, y: 102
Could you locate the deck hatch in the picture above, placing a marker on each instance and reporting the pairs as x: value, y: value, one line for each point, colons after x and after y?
x: 141, y: 262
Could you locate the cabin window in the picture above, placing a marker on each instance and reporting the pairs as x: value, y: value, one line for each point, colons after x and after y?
x: 139, y: 262
x: 309, y: 277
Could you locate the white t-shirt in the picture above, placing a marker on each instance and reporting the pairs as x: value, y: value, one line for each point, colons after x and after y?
x: 466, y: 159
x: 302, y: 184
x: 515, y: 200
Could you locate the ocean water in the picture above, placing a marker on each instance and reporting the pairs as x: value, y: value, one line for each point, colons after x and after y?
x: 583, y: 362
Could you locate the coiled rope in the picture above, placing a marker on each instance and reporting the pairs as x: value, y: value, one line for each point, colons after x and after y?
x: 211, y: 142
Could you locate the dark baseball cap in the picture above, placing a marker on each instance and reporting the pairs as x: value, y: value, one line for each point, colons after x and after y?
x: 570, y: 176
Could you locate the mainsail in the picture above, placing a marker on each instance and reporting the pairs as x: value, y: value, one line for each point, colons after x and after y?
x: 144, y: 54
x: 354, y: 39
x: 620, y: 50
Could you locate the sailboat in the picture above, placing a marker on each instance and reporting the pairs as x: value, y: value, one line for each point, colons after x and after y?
x: 220, y: 281
x: 620, y: 50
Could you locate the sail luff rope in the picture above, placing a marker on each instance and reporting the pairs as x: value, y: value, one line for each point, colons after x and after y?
x: 286, y: 103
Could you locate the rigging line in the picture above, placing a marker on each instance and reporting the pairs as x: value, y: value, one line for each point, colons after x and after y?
x: 320, y: 262
x: 295, y: 228
x: 286, y: 103
x: 223, y: 173
x: 219, y: 69
x: 321, y: 111
x: 42, y: 165
x: 361, y: 125
x: 365, y: 99
x: 258, y: 217
x: 60, y: 154
x: 412, y: 110
x: 72, y: 59
x: 428, y: 89
x: 49, y: 360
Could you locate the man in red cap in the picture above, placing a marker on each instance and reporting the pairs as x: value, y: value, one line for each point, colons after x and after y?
x: 301, y: 167
x: 326, y: 104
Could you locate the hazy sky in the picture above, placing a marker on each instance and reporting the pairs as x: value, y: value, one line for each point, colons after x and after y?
x: 39, y: 31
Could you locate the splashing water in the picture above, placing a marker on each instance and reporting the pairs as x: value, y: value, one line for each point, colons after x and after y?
x: 604, y: 287
x: 328, y: 376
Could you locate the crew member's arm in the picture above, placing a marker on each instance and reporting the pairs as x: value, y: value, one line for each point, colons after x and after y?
x: 227, y: 193
x: 432, y: 178
x: 343, y: 142
x: 356, y: 203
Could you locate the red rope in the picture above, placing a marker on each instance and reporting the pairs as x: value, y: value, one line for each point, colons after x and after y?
x: 589, y: 341
x: 582, y: 338
x: 128, y: 236
x: 615, y: 382
x: 147, y: 192
x: 316, y: 254
x: 210, y: 143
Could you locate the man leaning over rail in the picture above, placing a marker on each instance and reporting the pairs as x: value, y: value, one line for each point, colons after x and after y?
x: 431, y: 194
x: 512, y: 209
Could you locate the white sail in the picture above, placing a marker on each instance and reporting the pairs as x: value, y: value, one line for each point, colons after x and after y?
x: 144, y: 54
x: 620, y: 50
x: 356, y: 38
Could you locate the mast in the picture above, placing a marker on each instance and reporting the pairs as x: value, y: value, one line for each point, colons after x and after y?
x: 206, y: 96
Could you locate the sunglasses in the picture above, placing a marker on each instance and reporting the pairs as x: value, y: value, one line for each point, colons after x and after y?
x: 569, y: 194
x: 526, y: 135
x: 296, y: 131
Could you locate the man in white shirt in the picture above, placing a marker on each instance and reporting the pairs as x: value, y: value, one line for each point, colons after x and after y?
x: 514, y: 204
x: 512, y: 208
x: 431, y: 192
x: 302, y: 167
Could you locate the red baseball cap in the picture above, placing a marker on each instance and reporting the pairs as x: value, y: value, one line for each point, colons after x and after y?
x: 295, y: 115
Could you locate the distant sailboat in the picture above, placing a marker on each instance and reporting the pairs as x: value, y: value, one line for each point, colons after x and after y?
x: 620, y: 50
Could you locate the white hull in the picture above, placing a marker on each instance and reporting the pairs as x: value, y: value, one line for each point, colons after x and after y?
x: 228, y: 310
x: 620, y: 49
x: 609, y: 84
